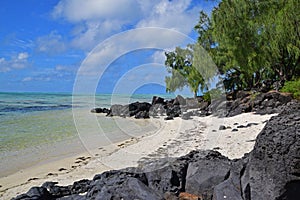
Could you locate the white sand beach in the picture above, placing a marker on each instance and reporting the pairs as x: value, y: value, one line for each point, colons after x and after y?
x: 171, y: 139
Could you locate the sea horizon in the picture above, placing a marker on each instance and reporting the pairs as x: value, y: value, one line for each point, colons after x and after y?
x: 38, y: 126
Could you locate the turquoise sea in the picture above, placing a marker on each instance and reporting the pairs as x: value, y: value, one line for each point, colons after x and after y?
x: 38, y: 127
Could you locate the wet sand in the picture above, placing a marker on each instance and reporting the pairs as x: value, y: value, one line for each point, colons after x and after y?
x: 171, y: 139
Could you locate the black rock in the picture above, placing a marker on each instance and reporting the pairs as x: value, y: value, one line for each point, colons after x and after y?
x: 270, y: 171
x: 137, y: 109
x: 273, y: 171
x: 81, y: 186
x: 157, y: 100
x: 242, y: 94
x: 97, y: 110
x: 235, y: 130
x: 222, y: 127
x: 230, y: 187
x: 142, y: 115
x: 192, y: 103
x: 157, y: 109
x: 35, y: 193
x: 170, y: 117
x: 173, y: 111
x: 100, y: 110
x: 179, y: 100
x: 204, y: 175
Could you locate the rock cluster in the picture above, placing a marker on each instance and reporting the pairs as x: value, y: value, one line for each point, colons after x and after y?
x: 270, y: 171
x: 261, y: 103
x: 159, y: 106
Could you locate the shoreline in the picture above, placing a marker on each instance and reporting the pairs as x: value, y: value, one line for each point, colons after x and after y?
x: 173, y: 139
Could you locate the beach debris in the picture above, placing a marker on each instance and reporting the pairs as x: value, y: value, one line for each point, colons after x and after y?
x: 62, y: 169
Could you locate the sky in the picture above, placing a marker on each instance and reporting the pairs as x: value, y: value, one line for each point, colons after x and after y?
x: 100, y: 46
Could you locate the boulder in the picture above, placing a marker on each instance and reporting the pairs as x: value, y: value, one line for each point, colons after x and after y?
x: 230, y: 188
x: 118, y: 110
x: 192, y: 103
x: 157, y: 109
x: 100, y: 110
x: 222, y: 127
x: 173, y: 111
x: 204, y: 175
x: 270, y: 171
x: 137, y: 109
x: 273, y: 170
x: 35, y: 193
x: 157, y: 100
x: 179, y: 100
x: 142, y: 115
x: 97, y: 110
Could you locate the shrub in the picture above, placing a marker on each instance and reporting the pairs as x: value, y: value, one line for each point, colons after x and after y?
x: 212, y: 94
x: 292, y: 87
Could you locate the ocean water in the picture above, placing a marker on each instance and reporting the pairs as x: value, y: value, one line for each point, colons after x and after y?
x: 38, y: 127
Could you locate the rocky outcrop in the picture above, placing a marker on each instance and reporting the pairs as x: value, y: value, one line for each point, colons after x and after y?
x: 271, y: 171
x: 261, y: 103
x: 159, y: 106
x: 240, y: 102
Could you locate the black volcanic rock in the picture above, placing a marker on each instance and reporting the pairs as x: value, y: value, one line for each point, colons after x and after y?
x: 142, y: 115
x: 203, y: 175
x: 137, y: 109
x: 270, y: 171
x: 261, y: 103
x: 35, y: 193
x: 179, y: 100
x: 173, y: 111
x: 274, y: 164
x: 157, y: 100
x: 100, y: 110
x: 157, y: 109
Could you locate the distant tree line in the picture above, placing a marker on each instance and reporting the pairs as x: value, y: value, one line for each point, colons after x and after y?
x: 252, y: 42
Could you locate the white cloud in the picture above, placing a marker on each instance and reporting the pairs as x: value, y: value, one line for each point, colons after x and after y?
x: 18, y: 61
x: 52, y: 43
x: 159, y: 57
x: 49, y: 74
x: 76, y: 11
x: 96, y: 20
x: 172, y: 14
x: 26, y: 79
x: 23, y: 56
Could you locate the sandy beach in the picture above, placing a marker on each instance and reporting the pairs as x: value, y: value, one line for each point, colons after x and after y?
x: 171, y: 139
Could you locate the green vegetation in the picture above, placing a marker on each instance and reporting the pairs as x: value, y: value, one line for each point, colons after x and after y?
x: 292, y: 87
x: 212, y: 94
x: 250, y: 41
x: 188, y: 67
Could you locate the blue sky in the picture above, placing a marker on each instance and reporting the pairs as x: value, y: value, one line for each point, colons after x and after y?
x: 43, y: 43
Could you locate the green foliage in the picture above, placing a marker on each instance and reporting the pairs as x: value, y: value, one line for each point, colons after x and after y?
x: 189, y: 67
x: 249, y: 40
x: 206, y: 97
x: 292, y: 87
x: 212, y: 94
x: 257, y: 40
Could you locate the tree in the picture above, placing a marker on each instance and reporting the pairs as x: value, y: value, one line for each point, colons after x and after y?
x: 257, y: 40
x: 179, y: 63
x: 250, y: 41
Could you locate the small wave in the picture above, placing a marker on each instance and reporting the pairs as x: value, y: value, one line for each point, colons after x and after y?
x: 35, y: 108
